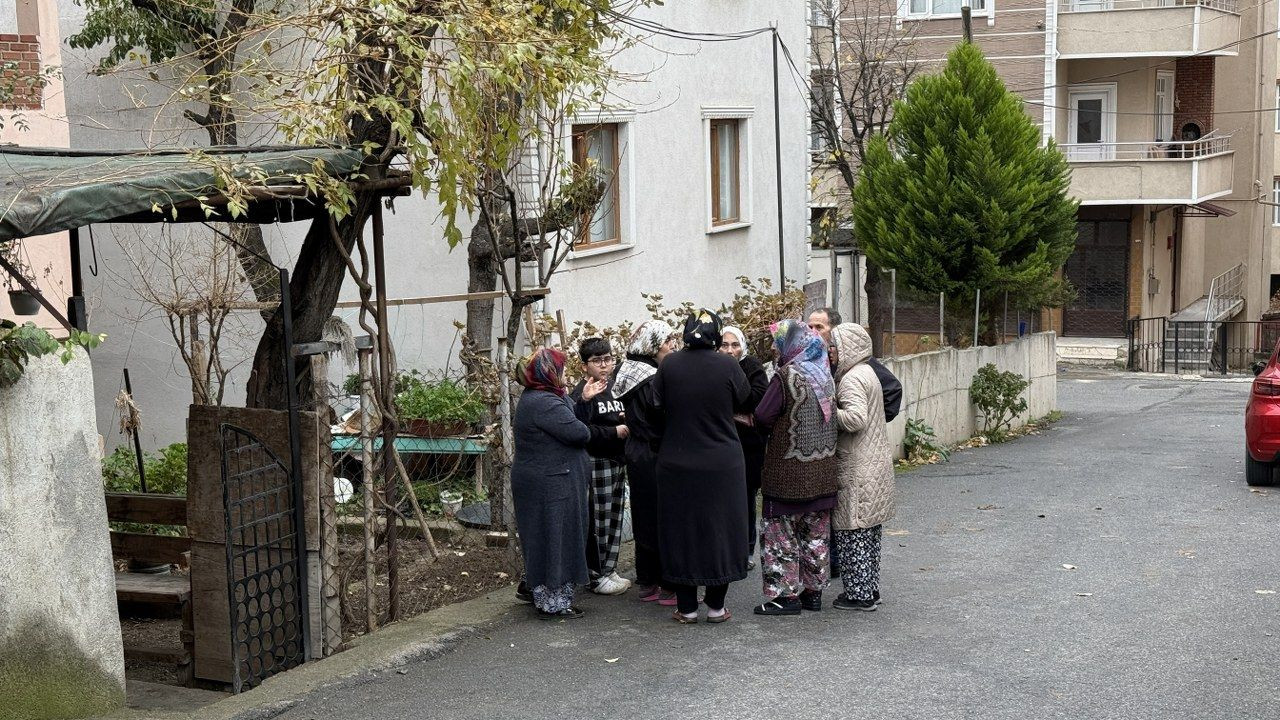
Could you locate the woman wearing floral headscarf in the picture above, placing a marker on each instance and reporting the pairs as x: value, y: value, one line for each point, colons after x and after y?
x: 799, y: 480
x: 702, y: 489
x: 549, y: 477
x: 648, y: 346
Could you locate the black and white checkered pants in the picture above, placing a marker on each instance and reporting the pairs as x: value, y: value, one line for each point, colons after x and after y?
x: 608, y: 495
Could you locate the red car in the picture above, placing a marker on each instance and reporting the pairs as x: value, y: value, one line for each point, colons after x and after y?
x: 1262, y: 425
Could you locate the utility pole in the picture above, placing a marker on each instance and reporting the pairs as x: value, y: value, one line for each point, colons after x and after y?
x: 966, y: 18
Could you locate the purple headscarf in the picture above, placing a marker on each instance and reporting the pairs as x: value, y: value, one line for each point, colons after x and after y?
x: 806, y: 353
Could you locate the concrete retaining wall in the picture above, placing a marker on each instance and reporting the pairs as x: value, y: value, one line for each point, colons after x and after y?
x: 60, y: 648
x: 935, y: 385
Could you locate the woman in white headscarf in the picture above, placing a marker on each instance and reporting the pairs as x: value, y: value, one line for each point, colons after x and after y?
x: 733, y: 342
x: 649, y: 345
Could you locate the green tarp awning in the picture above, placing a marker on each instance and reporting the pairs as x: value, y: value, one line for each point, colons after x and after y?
x: 47, y: 190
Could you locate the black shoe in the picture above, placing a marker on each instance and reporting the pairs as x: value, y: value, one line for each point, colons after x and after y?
x: 570, y: 613
x: 811, y: 600
x: 523, y: 593
x: 875, y: 597
x: 844, y: 602
x: 751, y: 564
x: 780, y: 606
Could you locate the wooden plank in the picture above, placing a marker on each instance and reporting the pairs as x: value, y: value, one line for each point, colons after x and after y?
x: 155, y: 589
x: 175, y: 655
x: 149, y: 548
x: 147, y: 508
x: 461, y: 297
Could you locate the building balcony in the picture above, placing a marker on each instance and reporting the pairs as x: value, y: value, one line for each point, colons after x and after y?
x: 1146, y: 28
x: 1149, y: 173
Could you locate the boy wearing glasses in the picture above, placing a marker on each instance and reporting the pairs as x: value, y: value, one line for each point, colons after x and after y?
x: 608, y: 472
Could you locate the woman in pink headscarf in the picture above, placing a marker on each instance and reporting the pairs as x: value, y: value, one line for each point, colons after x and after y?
x: 549, y: 477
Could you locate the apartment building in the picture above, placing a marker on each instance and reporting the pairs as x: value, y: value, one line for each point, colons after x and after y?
x: 1155, y: 104
x: 34, y: 114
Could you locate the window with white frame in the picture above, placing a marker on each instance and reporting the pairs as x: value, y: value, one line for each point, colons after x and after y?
x: 599, y: 145
x: 1275, y: 201
x: 820, y: 12
x: 1277, y: 105
x: 924, y: 9
x: 824, y: 111
x: 726, y: 143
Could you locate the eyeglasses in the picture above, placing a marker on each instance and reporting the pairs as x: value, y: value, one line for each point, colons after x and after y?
x: 602, y: 361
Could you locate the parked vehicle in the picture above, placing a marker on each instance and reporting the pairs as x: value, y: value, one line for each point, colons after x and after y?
x: 1262, y: 424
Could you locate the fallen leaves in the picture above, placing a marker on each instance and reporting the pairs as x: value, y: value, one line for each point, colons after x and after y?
x: 612, y: 660
x: 1257, y: 491
x: 1187, y: 553
x: 1068, y: 567
x: 990, y: 507
x: 897, y: 533
x: 1084, y: 594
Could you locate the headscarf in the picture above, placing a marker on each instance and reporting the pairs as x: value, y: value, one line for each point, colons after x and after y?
x: 702, y: 330
x: 806, y: 353
x: 642, y: 356
x: 742, y: 338
x: 543, y: 370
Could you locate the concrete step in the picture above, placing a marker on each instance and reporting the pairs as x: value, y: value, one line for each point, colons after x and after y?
x: 1092, y: 351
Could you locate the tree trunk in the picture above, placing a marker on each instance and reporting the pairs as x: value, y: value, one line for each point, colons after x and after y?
x: 877, y: 308
x: 314, y: 286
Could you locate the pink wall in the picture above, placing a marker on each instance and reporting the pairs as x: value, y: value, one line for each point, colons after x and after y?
x: 37, y: 45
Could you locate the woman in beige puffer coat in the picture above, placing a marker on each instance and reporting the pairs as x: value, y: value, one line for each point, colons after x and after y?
x: 866, y: 498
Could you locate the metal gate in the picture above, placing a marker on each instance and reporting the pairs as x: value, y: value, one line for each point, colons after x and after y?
x: 1099, y: 271
x: 266, y: 560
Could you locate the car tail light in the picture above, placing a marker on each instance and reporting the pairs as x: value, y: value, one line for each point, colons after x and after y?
x: 1267, y: 386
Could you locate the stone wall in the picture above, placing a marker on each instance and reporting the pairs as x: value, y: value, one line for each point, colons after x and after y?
x: 60, y: 647
x: 935, y: 385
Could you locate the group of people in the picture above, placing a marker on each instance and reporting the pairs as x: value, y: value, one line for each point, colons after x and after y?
x: 696, y: 434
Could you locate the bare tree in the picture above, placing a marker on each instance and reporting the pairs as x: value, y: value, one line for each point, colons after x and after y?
x: 862, y: 61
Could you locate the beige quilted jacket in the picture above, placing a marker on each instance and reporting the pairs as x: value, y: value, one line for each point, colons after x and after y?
x: 866, y: 460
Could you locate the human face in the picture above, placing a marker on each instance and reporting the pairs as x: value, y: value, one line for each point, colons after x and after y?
x: 821, y: 324
x: 600, y: 367
x: 731, y: 346
x: 665, y: 349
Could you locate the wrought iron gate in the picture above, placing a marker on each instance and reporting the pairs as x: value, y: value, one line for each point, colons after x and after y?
x: 1099, y: 270
x: 266, y: 560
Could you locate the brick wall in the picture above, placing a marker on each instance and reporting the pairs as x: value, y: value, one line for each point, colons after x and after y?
x: 21, y: 82
x: 1193, y: 88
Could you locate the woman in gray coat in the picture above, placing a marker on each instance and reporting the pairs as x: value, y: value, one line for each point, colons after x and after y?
x: 549, y: 477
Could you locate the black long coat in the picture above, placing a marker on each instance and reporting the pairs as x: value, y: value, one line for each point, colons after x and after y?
x: 702, y: 490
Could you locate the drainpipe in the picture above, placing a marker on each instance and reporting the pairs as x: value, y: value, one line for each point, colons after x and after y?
x: 1050, y: 69
x: 1258, y: 208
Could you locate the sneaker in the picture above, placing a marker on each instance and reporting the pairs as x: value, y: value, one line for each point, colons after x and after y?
x: 875, y: 597
x: 523, y: 593
x: 570, y: 613
x: 610, y: 585
x: 811, y: 600
x: 649, y: 593
x: 667, y: 598
x: 779, y: 606
x: 844, y: 602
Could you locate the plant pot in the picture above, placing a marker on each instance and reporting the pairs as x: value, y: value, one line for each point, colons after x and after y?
x: 435, y: 428
x: 452, y: 502
x: 23, y: 302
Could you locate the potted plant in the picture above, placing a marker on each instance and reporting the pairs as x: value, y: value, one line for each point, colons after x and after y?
x: 441, y: 408
x: 22, y: 302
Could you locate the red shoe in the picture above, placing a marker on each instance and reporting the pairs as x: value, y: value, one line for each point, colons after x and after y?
x: 650, y: 593
x: 667, y: 599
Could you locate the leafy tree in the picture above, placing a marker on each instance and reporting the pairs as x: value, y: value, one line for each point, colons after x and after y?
x: 960, y: 196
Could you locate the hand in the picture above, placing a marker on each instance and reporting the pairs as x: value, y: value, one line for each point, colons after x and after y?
x: 593, y: 388
x: 623, y: 432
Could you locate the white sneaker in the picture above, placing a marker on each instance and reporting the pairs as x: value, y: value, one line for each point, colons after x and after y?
x: 611, y: 585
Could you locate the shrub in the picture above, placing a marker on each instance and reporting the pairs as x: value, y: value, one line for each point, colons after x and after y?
x: 998, y: 396
x: 921, y: 443
x: 166, y: 470
x: 405, y: 380
x: 440, y: 401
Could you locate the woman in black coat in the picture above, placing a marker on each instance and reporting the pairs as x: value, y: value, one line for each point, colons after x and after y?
x: 702, y: 503
x: 733, y: 342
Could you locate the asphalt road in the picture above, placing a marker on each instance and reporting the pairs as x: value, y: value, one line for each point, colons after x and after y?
x: 1140, y: 488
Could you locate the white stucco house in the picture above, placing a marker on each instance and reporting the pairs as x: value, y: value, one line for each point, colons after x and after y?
x: 691, y: 145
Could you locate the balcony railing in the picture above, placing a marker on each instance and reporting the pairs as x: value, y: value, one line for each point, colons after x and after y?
x: 1211, y: 144
x: 1103, y: 5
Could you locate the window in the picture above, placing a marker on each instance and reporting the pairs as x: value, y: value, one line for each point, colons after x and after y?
x: 726, y: 181
x: 1277, y: 105
x: 824, y: 90
x: 598, y: 145
x: 1275, y: 201
x: 820, y: 12
x: 942, y: 8
x: 1164, y: 105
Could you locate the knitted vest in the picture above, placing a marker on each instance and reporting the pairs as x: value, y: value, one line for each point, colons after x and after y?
x: 800, y: 460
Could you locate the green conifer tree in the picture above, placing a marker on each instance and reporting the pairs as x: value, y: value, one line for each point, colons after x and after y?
x: 960, y: 195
